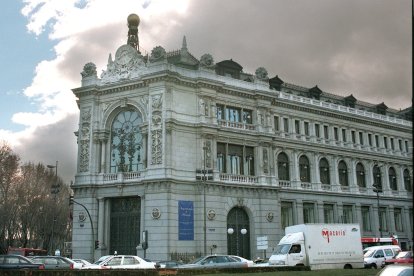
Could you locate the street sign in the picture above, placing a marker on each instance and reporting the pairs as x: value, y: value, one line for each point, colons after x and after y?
x: 262, y: 243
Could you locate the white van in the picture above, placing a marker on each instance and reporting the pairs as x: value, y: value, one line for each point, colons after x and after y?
x: 375, y: 256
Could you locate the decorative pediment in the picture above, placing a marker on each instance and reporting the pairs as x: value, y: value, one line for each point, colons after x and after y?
x: 315, y: 92
x: 350, y: 101
x: 381, y: 108
x: 275, y: 83
x: 128, y: 64
x: 229, y: 67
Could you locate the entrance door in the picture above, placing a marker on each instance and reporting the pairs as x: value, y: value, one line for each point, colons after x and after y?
x: 238, y: 240
x: 125, y: 225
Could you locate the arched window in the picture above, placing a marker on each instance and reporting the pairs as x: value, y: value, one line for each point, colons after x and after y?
x: 407, y: 180
x: 343, y: 173
x: 283, y: 166
x: 126, y: 142
x: 392, y: 177
x: 304, y: 169
x: 376, y: 175
x: 324, y: 171
x: 360, y: 174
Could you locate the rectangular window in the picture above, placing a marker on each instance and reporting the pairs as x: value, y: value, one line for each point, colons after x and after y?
x: 406, y: 146
x: 385, y: 142
x: 366, y: 218
x: 247, y: 116
x: 276, y: 118
x: 400, y: 144
x: 398, y: 219
x: 328, y: 213
x: 220, y: 112
x: 230, y: 159
x: 286, y: 214
x: 307, y: 128
x: 353, y: 136
x: 325, y: 132
x: 336, y: 133
x: 348, y: 214
x: 286, y: 125
x: 317, y: 132
x: 383, y: 219
x: 361, y: 138
x: 370, y: 139
x: 232, y: 114
x: 297, y: 126
x: 392, y: 143
x: 377, y: 141
x: 308, y: 213
x: 344, y: 135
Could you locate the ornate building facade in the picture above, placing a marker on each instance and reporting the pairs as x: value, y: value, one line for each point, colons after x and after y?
x: 205, y: 158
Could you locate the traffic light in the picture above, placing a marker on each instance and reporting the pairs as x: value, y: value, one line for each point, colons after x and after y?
x: 70, y: 200
x: 96, y: 244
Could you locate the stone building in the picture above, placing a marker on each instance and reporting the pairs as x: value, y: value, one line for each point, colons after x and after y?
x: 209, y: 159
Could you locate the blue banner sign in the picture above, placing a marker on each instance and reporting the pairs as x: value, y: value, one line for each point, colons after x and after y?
x: 185, y: 220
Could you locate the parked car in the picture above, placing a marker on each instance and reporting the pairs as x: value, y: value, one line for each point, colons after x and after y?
x: 126, y: 261
x: 249, y: 263
x: 56, y: 262
x: 18, y: 262
x: 404, y: 257
x: 214, y: 261
x: 375, y: 256
x: 97, y: 264
x: 82, y: 261
x: 168, y: 264
x: 397, y: 270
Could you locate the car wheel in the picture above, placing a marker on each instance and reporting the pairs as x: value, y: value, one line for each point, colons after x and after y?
x: 374, y: 266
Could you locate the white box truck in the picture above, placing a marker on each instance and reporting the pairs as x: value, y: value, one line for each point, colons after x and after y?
x: 320, y: 246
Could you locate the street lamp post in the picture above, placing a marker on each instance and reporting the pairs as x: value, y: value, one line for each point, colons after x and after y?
x: 204, y: 199
x: 204, y: 175
x: 71, y: 200
x: 377, y: 189
x: 54, y: 191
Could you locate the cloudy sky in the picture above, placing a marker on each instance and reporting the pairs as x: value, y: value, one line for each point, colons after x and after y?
x: 359, y: 47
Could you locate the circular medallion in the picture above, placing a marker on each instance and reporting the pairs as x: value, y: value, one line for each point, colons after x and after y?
x: 124, y: 54
x: 156, y: 213
x: 211, y: 214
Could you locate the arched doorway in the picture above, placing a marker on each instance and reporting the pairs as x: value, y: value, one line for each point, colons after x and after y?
x: 238, y: 233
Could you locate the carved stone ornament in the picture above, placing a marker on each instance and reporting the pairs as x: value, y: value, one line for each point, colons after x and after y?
x: 128, y: 64
x: 89, y: 70
x: 158, y: 53
x: 207, y: 61
x: 82, y: 216
x: 269, y: 216
x: 156, y: 213
x: 211, y: 214
x: 261, y: 73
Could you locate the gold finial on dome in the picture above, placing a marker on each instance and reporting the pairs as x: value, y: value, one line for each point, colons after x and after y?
x: 133, y: 22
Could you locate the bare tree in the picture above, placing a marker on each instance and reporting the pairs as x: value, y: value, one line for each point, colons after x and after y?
x: 9, y: 165
x: 30, y: 215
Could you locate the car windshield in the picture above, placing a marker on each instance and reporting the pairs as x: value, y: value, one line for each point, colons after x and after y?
x: 281, y: 249
x: 196, y: 261
x: 369, y: 253
x: 101, y: 259
x: 403, y: 255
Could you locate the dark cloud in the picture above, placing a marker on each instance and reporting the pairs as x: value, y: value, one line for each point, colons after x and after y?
x: 53, y: 143
x: 358, y: 47
x: 344, y: 47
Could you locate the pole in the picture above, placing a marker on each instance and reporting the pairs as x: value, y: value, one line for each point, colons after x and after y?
x: 204, y: 195
x: 54, y: 191
x: 379, y: 214
x: 90, y: 219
